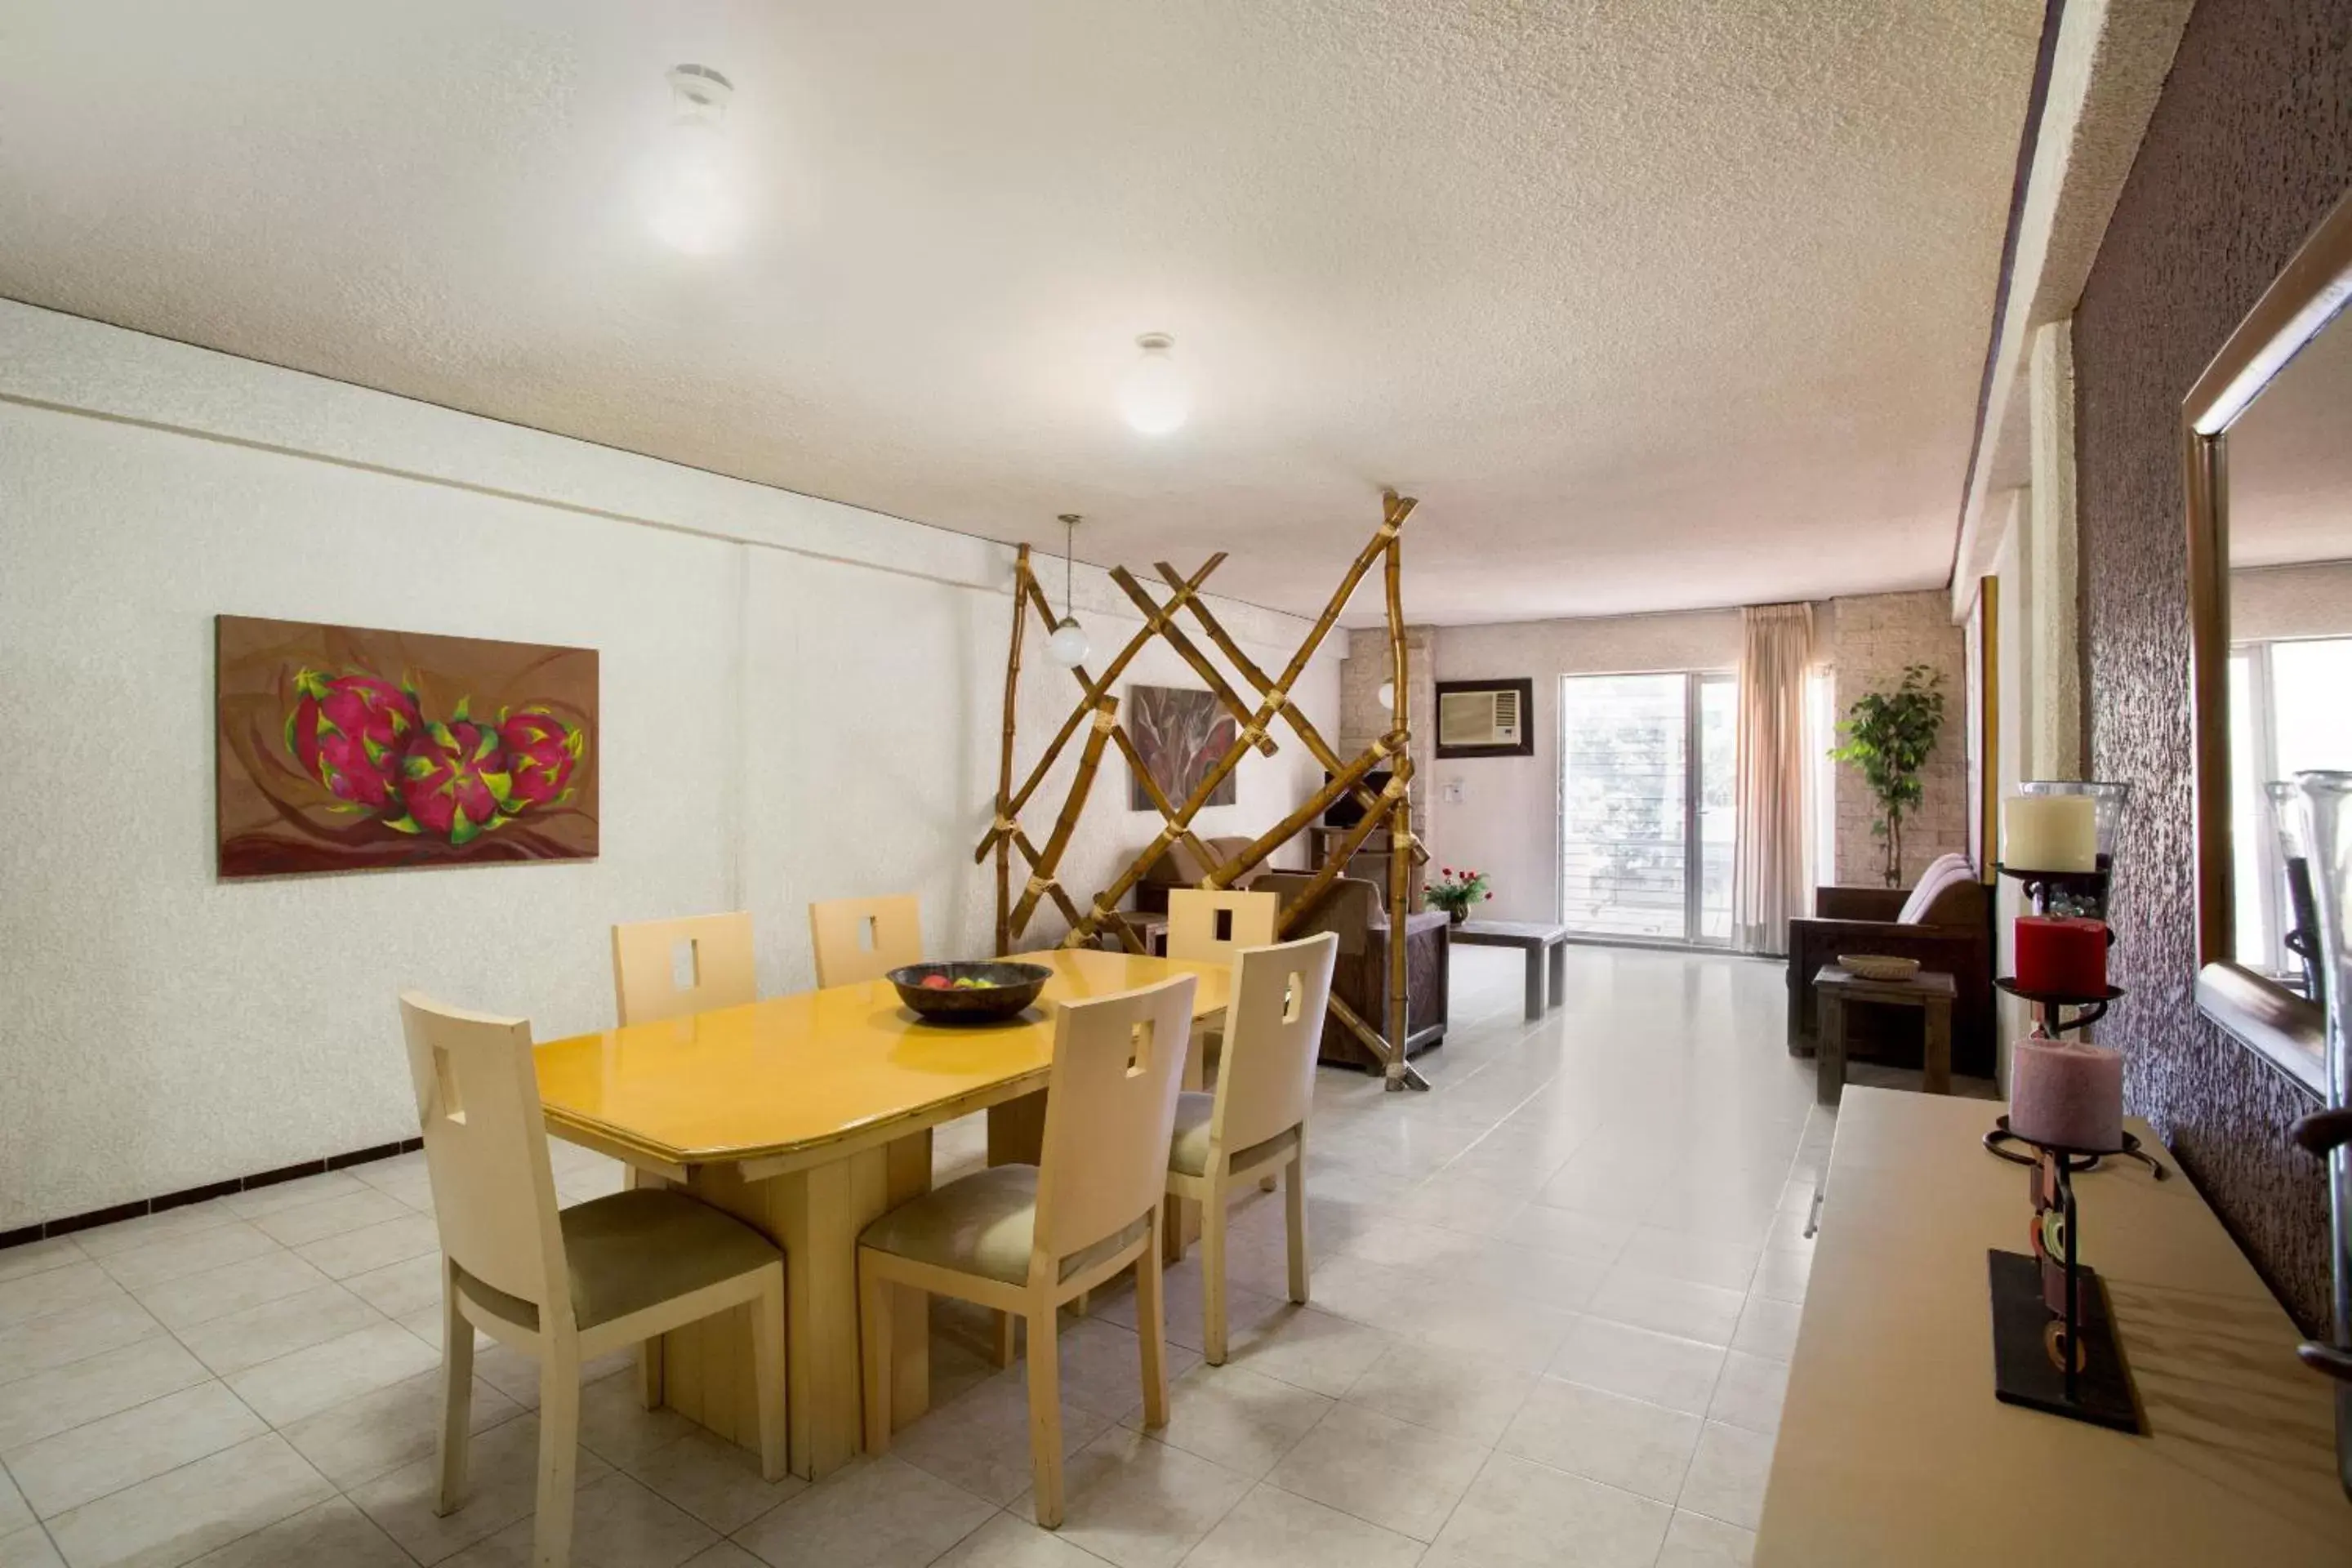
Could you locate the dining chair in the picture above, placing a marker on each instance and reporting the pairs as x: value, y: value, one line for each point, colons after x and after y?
x: 1027, y: 1238
x: 865, y: 939
x: 562, y: 1286
x: 1212, y: 927
x: 1255, y: 1122
x: 667, y: 968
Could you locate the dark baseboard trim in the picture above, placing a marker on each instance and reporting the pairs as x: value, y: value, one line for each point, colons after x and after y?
x: 139, y: 1206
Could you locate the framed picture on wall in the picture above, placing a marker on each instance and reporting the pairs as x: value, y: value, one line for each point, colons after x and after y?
x: 349, y: 749
x: 1180, y: 734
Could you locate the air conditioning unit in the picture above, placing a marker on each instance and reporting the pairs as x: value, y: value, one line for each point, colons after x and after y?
x: 1484, y: 719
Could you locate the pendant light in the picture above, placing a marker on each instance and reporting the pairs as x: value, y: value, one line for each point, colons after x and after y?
x: 1067, y: 647
x: 693, y: 192
x: 1154, y: 398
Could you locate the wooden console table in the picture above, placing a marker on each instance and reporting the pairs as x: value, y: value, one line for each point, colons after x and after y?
x: 1892, y: 1448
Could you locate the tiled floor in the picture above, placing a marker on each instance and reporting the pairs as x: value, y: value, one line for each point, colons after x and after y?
x: 1554, y: 1301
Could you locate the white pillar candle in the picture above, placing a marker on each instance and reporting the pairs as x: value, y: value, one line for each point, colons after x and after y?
x: 2050, y: 833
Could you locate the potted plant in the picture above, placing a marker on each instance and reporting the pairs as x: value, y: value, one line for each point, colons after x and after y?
x: 1454, y: 891
x: 1890, y: 735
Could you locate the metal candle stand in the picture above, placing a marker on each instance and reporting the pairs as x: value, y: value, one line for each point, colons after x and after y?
x: 2067, y: 1362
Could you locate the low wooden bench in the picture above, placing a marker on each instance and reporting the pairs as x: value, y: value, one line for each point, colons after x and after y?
x: 1928, y: 991
x: 1545, y: 945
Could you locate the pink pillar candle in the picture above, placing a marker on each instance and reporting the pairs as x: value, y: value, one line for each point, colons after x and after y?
x: 2063, y: 1092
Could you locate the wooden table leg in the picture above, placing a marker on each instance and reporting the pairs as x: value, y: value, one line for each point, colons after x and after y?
x: 1938, y: 1056
x: 1556, y: 961
x: 1829, y: 1081
x: 1535, y: 1009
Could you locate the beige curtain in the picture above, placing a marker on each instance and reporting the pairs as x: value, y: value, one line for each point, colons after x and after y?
x: 1768, y: 878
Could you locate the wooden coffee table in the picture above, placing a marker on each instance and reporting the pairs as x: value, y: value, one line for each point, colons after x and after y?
x: 1545, y: 945
x: 1928, y: 990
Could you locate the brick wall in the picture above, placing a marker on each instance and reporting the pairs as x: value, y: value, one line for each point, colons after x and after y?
x: 1875, y: 635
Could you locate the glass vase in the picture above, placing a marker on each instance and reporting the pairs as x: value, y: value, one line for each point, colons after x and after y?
x: 2327, y: 833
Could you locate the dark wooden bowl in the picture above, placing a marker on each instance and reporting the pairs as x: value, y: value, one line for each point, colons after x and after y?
x: 1008, y: 988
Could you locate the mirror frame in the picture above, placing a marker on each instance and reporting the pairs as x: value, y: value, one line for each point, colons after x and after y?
x: 2286, y: 1029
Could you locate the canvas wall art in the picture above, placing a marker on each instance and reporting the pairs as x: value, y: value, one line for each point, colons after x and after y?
x: 1180, y: 734
x: 347, y: 749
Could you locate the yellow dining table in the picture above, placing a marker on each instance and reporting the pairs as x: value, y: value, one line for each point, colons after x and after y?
x: 809, y: 1116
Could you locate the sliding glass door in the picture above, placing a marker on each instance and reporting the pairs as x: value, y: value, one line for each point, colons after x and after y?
x: 1646, y: 821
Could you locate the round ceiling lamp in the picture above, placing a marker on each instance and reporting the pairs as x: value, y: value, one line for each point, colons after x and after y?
x: 1154, y: 398
x: 1067, y: 647
x: 694, y: 197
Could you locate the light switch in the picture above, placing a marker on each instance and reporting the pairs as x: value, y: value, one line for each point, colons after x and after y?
x: 1450, y: 792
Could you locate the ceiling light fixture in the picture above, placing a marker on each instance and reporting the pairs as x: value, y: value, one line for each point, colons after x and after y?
x: 1067, y: 647
x: 1153, y: 397
x: 694, y: 197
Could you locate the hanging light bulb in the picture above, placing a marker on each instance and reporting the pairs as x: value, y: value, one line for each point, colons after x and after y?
x: 1067, y: 647
x: 1387, y: 695
x: 1153, y: 399
x: 693, y: 192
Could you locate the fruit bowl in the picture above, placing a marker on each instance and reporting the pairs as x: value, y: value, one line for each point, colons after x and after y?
x: 981, y: 992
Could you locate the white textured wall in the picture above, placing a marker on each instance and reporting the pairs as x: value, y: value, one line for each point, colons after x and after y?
x: 800, y: 701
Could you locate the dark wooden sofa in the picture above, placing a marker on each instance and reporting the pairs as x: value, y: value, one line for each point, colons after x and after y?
x: 1953, y: 933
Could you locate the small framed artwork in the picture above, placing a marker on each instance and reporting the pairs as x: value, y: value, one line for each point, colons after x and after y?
x: 1486, y: 718
x: 349, y: 749
x: 1181, y: 733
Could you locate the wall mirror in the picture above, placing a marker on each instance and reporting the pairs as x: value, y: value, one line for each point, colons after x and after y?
x: 2268, y: 433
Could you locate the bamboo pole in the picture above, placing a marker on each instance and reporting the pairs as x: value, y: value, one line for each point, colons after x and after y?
x: 1308, y: 735
x: 1095, y: 691
x: 1365, y: 1033
x: 1089, y: 758
x: 1164, y: 623
x: 1336, y: 862
x: 1062, y: 900
x: 1288, y: 829
x: 1399, y: 1024
x: 1005, y: 764
x: 1157, y: 796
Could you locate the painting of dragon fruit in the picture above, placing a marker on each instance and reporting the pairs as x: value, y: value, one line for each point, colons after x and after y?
x: 342, y: 748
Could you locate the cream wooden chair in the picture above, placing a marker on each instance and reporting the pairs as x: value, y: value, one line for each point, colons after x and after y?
x: 1027, y: 1238
x: 865, y: 939
x: 1255, y: 1123
x: 562, y: 1286
x: 1205, y: 927
x: 714, y: 951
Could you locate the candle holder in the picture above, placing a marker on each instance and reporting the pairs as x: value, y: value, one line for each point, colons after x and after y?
x: 2053, y: 1337
x: 2063, y: 892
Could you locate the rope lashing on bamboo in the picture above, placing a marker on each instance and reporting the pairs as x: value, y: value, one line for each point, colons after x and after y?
x: 1037, y: 887
x: 1105, y: 717
x: 1006, y: 825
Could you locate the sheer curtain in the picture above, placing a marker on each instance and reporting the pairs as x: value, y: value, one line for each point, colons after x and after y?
x: 1768, y: 878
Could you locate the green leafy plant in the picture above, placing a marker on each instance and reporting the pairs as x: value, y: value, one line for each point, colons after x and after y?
x: 1454, y: 891
x: 1890, y: 735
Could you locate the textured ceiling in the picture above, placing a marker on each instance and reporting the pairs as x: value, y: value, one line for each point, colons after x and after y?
x: 1653, y: 305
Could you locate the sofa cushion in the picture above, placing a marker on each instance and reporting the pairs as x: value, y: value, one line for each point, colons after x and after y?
x: 1944, y: 873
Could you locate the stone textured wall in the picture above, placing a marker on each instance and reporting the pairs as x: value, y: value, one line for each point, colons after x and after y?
x: 1874, y: 636
x: 2249, y: 146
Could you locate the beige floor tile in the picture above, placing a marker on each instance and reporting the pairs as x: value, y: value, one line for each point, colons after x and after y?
x: 1409, y: 1244
x: 1102, y: 1367
x: 1726, y: 1475
x: 53, y: 1290
x: 616, y: 1523
x: 1768, y: 1327
x: 1665, y: 1370
x: 1378, y: 1294
x: 41, y: 1344
x: 1239, y: 1419
x: 1140, y: 1503
x: 67, y: 1396
x: 1389, y: 1472
x: 200, y: 1298
x: 884, y: 1513
x: 28, y: 1547
x: 187, y: 1219
x: 1694, y: 1541
x: 331, y: 1216
x: 1521, y: 1514
x: 373, y: 1247
x: 1485, y: 1321
x: 502, y: 1480
x: 1750, y: 1392
x: 1456, y: 1392
x: 716, y: 1482
x: 334, y: 1534
x: 981, y: 1440
x: 76, y: 1467
x: 313, y: 1379
x: 257, y: 1201
x: 1606, y: 1437
x: 725, y: 1555
x: 1546, y: 1278
x: 1309, y: 1349
x: 16, y: 1513
x: 1669, y: 1306
x: 617, y: 1427
x: 362, y: 1438
x: 153, y: 1262
x: 516, y: 1375
x: 1184, y: 1324
x: 40, y: 1256
x: 399, y: 1288
x: 1274, y: 1528
x: 1726, y: 1265
x: 259, y: 1334
x: 1783, y: 1274
x: 1007, y: 1542
x: 392, y: 1172
x: 183, y: 1513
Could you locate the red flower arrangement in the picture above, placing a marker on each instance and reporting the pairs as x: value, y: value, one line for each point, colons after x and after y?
x: 1454, y: 891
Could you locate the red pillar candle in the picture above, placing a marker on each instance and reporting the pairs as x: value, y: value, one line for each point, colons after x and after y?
x: 2067, y: 957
